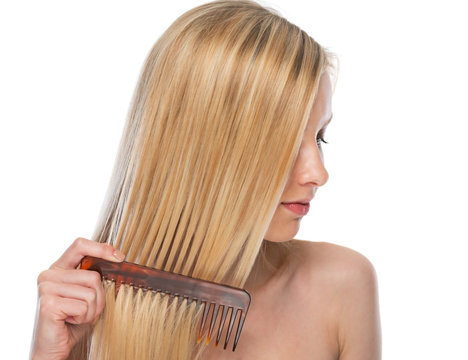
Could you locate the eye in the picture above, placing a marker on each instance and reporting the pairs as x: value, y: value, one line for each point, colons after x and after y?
x: 320, y: 138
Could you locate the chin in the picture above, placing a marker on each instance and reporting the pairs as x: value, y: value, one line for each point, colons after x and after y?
x: 285, y: 233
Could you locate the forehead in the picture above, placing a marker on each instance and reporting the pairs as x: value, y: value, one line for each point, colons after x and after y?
x: 322, y: 108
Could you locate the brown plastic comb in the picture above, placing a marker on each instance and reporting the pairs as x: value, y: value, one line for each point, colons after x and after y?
x: 201, y: 291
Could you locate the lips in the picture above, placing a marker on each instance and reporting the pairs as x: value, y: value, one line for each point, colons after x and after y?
x: 299, y: 208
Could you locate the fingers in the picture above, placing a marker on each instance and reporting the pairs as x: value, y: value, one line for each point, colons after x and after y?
x: 75, y: 284
x: 81, y: 247
x: 69, y: 295
x: 78, y: 276
x: 57, y: 309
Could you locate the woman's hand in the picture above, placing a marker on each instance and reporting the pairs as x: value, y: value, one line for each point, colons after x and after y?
x: 69, y: 300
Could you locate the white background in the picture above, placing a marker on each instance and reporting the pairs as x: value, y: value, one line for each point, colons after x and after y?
x: 397, y: 148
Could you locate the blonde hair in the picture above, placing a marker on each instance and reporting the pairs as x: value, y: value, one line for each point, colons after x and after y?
x: 213, y: 130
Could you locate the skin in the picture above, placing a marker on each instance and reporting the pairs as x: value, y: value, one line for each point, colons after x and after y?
x: 307, y: 175
x: 321, y: 303
x: 309, y: 172
x: 69, y: 300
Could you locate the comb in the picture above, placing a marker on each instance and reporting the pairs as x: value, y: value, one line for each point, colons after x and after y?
x: 207, y: 293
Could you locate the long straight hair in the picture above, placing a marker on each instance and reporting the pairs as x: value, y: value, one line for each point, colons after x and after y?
x: 213, y: 130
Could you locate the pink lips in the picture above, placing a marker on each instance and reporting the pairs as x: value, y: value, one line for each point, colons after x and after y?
x: 297, y: 208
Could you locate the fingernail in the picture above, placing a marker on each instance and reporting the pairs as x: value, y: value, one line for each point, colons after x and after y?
x: 118, y: 255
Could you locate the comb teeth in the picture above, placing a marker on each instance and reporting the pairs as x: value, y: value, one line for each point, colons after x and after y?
x: 213, y: 319
x: 211, y: 294
x: 214, y: 315
x: 221, y: 324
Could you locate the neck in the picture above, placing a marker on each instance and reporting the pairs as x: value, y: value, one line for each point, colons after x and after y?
x: 267, y: 265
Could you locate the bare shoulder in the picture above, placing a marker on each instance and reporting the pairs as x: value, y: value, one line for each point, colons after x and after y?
x: 336, y: 269
x: 348, y: 287
x: 332, y: 262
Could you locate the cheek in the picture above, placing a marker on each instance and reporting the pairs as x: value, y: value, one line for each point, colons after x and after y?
x: 289, y: 185
x: 283, y: 226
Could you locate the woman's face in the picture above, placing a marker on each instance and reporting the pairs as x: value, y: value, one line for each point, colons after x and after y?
x: 308, y: 172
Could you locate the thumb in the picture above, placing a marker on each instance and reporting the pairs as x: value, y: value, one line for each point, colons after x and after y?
x: 82, y: 247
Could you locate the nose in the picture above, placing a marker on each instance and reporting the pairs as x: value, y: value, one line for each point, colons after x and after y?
x: 310, y: 167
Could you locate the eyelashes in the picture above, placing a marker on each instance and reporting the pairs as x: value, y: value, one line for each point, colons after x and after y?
x: 320, y: 138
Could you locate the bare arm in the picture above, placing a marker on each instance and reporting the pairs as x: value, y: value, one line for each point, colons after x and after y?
x: 359, y: 330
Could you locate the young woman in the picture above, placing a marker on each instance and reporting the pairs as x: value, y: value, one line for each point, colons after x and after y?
x: 219, y: 159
